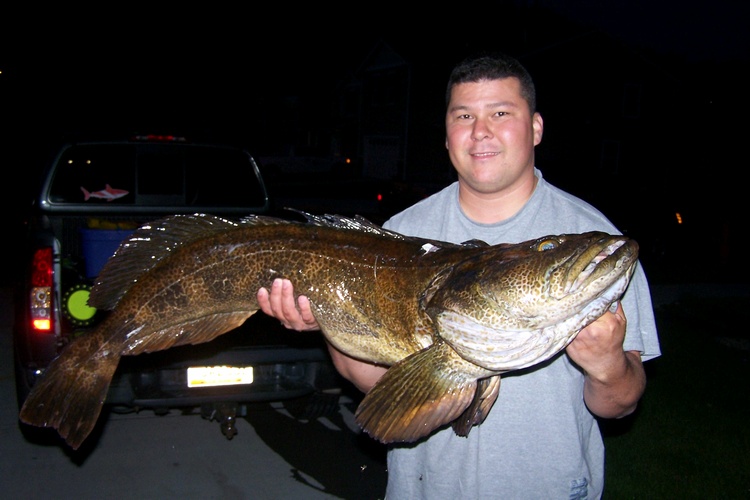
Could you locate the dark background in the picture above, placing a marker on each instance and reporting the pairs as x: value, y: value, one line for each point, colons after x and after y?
x: 271, y: 77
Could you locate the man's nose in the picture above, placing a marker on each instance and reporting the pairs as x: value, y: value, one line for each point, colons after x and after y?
x: 480, y: 131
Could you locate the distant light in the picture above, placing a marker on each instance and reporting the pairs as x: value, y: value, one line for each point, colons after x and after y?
x: 380, y: 197
x: 678, y: 217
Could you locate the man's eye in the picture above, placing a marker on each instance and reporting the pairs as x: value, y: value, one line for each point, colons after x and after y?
x: 501, y: 113
x: 464, y: 117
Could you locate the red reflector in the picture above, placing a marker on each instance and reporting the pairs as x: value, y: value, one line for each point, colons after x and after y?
x: 159, y: 138
x: 41, y: 267
x: 380, y: 197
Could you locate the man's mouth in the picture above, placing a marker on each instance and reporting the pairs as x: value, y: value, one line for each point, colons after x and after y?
x: 483, y: 155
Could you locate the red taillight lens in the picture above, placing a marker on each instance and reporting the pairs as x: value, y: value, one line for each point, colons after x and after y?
x: 41, y: 267
x: 40, y: 299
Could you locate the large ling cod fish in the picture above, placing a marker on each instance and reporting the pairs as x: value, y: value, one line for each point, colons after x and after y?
x: 448, y: 319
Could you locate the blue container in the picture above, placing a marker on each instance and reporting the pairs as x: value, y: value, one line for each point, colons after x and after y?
x: 99, y: 245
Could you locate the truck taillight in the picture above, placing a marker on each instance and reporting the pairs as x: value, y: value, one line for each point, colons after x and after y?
x: 40, y: 300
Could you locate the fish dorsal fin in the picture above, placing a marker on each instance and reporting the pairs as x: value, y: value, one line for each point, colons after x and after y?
x: 476, y: 412
x: 475, y: 243
x: 356, y: 223
x: 264, y: 220
x: 145, y: 248
x: 361, y: 224
x: 420, y: 393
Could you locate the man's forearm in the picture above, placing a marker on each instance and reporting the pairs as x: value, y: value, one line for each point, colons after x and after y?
x: 616, y: 394
x: 363, y: 375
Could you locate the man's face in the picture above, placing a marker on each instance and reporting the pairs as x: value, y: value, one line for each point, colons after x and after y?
x: 490, y: 134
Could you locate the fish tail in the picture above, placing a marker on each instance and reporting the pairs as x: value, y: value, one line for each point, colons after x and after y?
x: 86, y: 194
x: 70, y: 394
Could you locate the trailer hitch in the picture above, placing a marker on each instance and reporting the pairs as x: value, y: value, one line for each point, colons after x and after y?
x: 225, y: 414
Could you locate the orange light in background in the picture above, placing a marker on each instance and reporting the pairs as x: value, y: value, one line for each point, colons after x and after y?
x: 678, y: 217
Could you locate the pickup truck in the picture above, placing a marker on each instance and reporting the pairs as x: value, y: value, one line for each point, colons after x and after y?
x: 92, y: 196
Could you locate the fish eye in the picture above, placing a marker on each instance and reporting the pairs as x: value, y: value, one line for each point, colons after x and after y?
x: 548, y: 244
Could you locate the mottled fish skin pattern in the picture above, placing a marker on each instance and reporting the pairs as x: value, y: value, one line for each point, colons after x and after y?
x: 447, y: 319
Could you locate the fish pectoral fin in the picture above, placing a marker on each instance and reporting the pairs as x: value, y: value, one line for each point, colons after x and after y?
x: 69, y: 395
x: 476, y: 412
x: 195, y: 331
x: 417, y: 395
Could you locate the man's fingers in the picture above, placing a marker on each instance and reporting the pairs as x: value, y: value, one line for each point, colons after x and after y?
x: 263, y: 302
x: 280, y: 303
x: 305, y: 310
x: 288, y: 304
x: 274, y: 298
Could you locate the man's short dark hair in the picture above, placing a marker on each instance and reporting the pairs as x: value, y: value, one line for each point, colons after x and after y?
x: 493, y: 66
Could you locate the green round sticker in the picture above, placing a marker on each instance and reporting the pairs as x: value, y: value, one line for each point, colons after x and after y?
x: 77, y: 305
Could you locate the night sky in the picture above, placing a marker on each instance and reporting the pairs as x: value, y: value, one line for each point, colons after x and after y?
x: 217, y: 70
x: 214, y: 66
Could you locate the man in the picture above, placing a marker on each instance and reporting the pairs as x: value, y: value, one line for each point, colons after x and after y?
x: 541, y: 439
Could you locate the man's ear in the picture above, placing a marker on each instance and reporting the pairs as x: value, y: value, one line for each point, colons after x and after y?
x: 538, y: 125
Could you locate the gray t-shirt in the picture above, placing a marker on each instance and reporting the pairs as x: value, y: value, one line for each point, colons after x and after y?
x: 539, y: 439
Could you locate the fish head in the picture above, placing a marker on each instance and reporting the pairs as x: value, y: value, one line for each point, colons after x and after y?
x: 516, y: 305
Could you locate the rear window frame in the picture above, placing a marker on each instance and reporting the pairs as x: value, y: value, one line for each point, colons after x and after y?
x: 232, y: 184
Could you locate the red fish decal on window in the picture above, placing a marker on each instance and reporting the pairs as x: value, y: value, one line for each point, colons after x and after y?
x: 108, y: 193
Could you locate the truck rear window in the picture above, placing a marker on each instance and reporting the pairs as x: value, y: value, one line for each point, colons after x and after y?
x: 156, y: 174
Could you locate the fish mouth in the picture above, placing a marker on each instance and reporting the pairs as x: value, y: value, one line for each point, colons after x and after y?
x: 609, y: 255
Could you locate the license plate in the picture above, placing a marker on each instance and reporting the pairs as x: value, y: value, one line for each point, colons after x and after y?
x: 212, y: 376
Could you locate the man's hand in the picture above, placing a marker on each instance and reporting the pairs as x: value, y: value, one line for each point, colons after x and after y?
x: 598, y: 347
x: 615, y: 379
x: 280, y: 304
